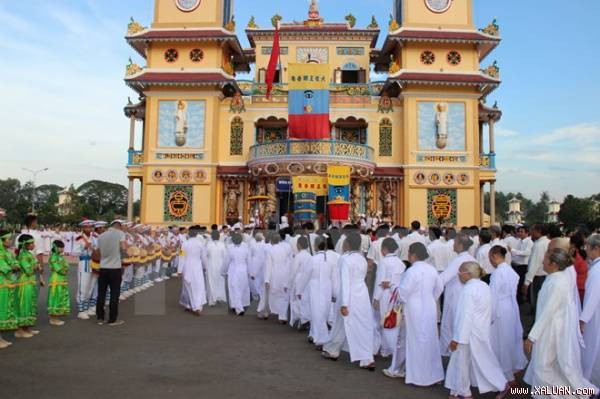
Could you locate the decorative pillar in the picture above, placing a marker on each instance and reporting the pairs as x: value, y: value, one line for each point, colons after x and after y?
x: 130, y: 200
x: 131, y: 131
x: 491, y: 132
x: 492, y: 203
x: 481, y: 137
x: 481, y: 204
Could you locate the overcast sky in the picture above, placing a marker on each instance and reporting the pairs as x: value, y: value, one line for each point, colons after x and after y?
x: 63, y: 63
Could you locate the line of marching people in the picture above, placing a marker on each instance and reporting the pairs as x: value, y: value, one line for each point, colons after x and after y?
x: 319, y: 283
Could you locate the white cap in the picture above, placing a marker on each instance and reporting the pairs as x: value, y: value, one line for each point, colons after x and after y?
x: 87, y: 223
x: 99, y: 224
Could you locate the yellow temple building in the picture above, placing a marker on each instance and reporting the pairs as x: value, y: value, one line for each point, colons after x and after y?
x: 216, y: 149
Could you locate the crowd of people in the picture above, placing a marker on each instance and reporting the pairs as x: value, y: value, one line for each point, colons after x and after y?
x: 412, y: 296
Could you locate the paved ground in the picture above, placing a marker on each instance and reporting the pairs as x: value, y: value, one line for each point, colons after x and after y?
x: 163, y: 351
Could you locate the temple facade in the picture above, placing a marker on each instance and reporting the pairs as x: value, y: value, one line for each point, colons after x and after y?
x: 216, y: 149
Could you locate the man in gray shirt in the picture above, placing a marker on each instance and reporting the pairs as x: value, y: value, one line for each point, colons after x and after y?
x: 110, y: 245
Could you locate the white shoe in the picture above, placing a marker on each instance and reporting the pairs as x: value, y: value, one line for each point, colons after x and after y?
x: 83, y: 315
x: 122, y: 297
x: 391, y: 374
x: 166, y: 278
x: 91, y: 312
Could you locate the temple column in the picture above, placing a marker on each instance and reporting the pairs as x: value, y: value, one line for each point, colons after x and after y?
x: 491, y: 132
x: 480, y: 137
x: 492, y: 203
x: 130, y: 200
x: 481, y: 204
x: 131, y: 131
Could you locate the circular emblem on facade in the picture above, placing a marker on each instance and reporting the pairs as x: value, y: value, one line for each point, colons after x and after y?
x: 441, y: 206
x: 435, y: 178
x: 449, y: 179
x: 295, y: 168
x: 272, y: 168
x: 157, y: 175
x: 438, y: 5
x: 171, y: 55
x: 320, y: 168
x: 196, y: 55
x: 179, y: 204
x: 200, y: 175
x: 427, y: 57
x: 187, y: 5
x: 171, y: 176
x: 454, y: 57
x: 420, y: 178
x: 185, y: 175
x: 463, y: 179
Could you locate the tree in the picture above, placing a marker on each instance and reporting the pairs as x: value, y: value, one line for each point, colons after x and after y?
x: 46, y: 201
x: 102, y: 200
x: 577, y: 211
x: 538, y: 213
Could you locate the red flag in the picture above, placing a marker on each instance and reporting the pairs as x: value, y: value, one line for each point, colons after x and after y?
x: 273, y: 61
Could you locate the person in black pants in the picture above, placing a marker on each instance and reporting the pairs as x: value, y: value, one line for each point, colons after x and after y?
x: 110, y: 245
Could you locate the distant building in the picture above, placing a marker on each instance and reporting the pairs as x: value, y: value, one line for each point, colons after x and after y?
x: 65, y: 201
x: 553, y: 210
x: 515, y: 215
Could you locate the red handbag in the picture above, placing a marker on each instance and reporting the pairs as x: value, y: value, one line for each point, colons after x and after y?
x: 391, y: 317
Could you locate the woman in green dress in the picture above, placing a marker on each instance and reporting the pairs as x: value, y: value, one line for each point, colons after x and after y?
x: 59, y: 299
x: 27, y: 291
x: 8, y: 266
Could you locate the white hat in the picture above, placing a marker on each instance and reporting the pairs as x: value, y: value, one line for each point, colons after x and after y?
x: 117, y: 221
x: 99, y: 224
x: 87, y: 223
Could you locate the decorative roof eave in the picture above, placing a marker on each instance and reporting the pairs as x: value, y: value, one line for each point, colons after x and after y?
x: 321, y: 33
x: 139, y: 41
x: 136, y: 110
x: 143, y: 81
x: 485, y: 84
x: 487, y: 114
x: 486, y: 43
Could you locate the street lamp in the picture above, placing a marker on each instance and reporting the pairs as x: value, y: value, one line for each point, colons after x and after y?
x: 34, y: 175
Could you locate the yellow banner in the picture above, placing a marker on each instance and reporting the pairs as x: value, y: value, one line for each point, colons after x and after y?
x: 338, y: 175
x: 311, y: 184
x: 309, y: 76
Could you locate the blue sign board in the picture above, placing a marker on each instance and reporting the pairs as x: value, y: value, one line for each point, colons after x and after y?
x: 284, y: 185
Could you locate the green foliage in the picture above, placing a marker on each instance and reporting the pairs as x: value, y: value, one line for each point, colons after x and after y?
x: 577, y: 211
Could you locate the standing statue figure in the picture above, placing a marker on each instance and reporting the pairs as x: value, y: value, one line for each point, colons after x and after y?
x: 387, y: 199
x: 232, y: 199
x: 441, y: 122
x: 272, y: 193
x: 181, y: 124
x: 313, y: 11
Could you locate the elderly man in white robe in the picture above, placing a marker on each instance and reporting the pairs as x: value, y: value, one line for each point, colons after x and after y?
x: 418, y: 357
x: 215, y: 257
x: 590, y: 316
x: 374, y: 257
x: 319, y: 281
x: 258, y: 249
x: 391, y: 272
x: 354, y: 322
x: 452, y: 289
x: 473, y: 362
x: 507, y: 330
x: 236, y: 269
x: 277, y: 278
x: 554, y: 339
x: 300, y: 296
x: 193, y: 291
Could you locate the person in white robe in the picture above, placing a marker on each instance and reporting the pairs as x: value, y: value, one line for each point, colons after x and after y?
x: 554, y: 341
x: 319, y: 281
x: 439, y: 253
x: 300, y: 296
x: 258, y: 249
x: 374, y: 257
x: 277, y: 278
x: 354, y: 322
x: 391, y: 270
x: 193, y: 291
x: 507, y: 330
x: 590, y: 316
x: 418, y: 356
x: 215, y: 257
x: 452, y: 288
x: 263, y: 309
x: 473, y: 362
x: 236, y: 269
x: 483, y: 253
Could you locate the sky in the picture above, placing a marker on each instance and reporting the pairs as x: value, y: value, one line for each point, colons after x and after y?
x: 62, y: 65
